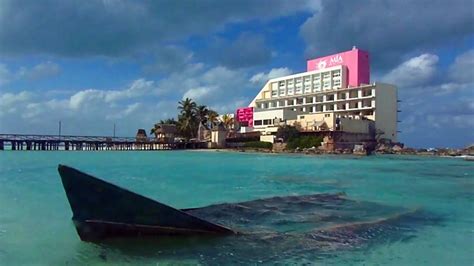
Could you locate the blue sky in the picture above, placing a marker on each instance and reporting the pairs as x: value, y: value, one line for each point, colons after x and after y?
x: 94, y: 63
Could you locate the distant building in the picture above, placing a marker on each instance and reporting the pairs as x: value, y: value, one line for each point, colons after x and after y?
x: 165, y: 133
x: 335, y: 94
x: 141, y: 135
x: 218, y: 136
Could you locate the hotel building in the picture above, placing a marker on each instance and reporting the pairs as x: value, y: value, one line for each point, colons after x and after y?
x: 335, y: 94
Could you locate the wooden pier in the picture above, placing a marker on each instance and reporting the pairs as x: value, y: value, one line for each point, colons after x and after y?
x: 83, y: 143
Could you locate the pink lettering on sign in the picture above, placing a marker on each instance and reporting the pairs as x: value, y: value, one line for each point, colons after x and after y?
x: 356, y: 61
x: 244, y: 115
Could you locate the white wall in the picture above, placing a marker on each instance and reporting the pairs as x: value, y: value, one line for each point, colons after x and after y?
x: 355, y: 125
x: 386, y: 107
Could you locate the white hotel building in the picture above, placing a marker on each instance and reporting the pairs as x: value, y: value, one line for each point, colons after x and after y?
x: 335, y: 98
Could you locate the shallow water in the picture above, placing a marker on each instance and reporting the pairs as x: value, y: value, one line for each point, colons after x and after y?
x: 406, y: 210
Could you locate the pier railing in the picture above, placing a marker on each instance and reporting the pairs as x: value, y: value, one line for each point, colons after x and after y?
x: 33, y: 137
x: 71, y: 142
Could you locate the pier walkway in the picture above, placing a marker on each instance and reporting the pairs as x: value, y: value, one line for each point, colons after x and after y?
x: 89, y: 143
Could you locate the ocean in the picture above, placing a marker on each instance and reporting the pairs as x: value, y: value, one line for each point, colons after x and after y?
x: 393, y: 210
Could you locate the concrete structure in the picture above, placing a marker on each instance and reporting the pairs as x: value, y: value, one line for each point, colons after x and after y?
x: 267, y: 138
x: 268, y: 121
x: 335, y: 94
x: 218, y: 136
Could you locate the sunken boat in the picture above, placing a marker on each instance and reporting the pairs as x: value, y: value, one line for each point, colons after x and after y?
x: 267, y: 227
x: 103, y: 210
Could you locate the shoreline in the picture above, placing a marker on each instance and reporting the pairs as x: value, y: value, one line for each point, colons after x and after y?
x: 265, y: 151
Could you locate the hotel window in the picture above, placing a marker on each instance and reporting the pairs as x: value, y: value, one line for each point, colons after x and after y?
x: 327, y: 115
x: 290, y: 91
x: 307, y: 88
x: 257, y: 122
x: 298, y: 89
x: 267, y: 122
x: 274, y: 93
x: 366, y: 93
x: 330, y: 97
x: 336, y: 74
x: 307, y: 79
x: 282, y: 92
x: 281, y: 83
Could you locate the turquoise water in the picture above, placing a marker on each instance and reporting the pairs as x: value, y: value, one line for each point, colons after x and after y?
x: 35, y: 225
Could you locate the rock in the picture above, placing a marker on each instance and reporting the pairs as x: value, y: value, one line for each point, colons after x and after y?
x: 347, y: 151
x: 397, y: 148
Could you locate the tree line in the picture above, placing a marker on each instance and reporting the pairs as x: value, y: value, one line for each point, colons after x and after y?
x: 191, y: 115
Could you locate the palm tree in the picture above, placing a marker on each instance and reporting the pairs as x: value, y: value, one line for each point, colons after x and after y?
x: 187, y: 107
x: 228, y: 121
x: 169, y: 121
x: 187, y: 122
x: 202, y: 113
x: 212, y: 117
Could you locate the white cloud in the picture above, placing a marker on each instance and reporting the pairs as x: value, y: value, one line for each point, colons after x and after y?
x: 40, y: 71
x: 5, y: 74
x: 11, y: 102
x: 263, y: 77
x: 462, y: 70
x: 25, y: 112
x: 215, y: 87
x: 198, y: 94
x: 90, y: 97
x: 389, y: 30
x: 413, y: 72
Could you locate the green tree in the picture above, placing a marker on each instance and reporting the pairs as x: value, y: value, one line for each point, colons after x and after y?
x: 202, y: 113
x: 287, y: 132
x: 187, y: 119
x: 212, y: 117
x: 228, y: 121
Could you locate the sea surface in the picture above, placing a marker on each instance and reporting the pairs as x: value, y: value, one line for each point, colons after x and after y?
x: 377, y: 210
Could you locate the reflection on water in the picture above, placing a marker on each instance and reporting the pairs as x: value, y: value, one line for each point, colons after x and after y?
x: 282, y: 228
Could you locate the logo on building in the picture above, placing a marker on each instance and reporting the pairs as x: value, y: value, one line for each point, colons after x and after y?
x: 336, y: 60
x: 322, y: 64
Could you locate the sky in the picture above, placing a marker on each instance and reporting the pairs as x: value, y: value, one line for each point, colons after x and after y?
x: 92, y: 64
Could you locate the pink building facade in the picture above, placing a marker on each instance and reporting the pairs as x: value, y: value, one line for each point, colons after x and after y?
x: 356, y: 61
x: 244, y: 115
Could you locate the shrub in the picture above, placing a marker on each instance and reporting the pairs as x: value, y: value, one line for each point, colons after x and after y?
x: 258, y: 144
x: 243, y: 139
x: 287, y: 132
x: 304, y: 142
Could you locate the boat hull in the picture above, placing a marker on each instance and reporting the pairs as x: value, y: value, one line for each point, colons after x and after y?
x: 103, y: 210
